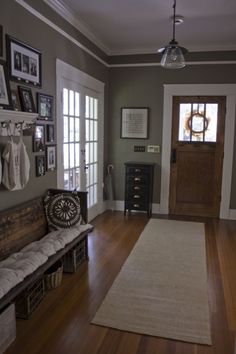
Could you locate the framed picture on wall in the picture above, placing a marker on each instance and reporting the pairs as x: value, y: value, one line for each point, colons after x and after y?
x: 24, y: 62
x: 40, y: 165
x: 134, y: 123
x: 26, y: 99
x: 5, y: 92
x: 15, y: 100
x: 39, y: 138
x: 50, y: 134
x: 44, y: 106
x: 51, y: 158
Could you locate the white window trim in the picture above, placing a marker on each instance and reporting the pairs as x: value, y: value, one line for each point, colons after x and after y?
x: 228, y: 90
x: 66, y: 71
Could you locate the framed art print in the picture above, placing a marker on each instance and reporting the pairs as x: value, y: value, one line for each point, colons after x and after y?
x: 50, y: 134
x: 15, y: 100
x: 5, y: 92
x: 39, y: 138
x: 26, y: 99
x: 51, y: 158
x: 44, y: 106
x: 40, y: 165
x: 134, y: 123
x: 24, y: 62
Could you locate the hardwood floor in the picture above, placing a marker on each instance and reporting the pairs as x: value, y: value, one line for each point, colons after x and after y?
x: 61, y: 324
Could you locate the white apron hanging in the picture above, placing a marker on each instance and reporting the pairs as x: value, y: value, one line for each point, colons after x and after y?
x: 16, y: 165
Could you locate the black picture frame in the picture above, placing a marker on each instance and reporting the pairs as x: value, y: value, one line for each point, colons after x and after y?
x: 44, y: 106
x: 40, y: 165
x: 51, y: 158
x: 39, y: 138
x: 50, y: 134
x: 24, y: 62
x: 15, y: 100
x: 26, y: 99
x: 5, y: 92
x: 134, y: 122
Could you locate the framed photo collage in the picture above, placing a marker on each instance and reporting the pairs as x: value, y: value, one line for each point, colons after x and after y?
x: 23, y: 65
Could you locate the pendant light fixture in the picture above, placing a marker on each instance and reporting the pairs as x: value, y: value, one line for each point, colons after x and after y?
x: 173, y: 54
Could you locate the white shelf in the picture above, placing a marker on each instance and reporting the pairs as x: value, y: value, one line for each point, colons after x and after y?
x: 17, y: 116
x: 11, y: 118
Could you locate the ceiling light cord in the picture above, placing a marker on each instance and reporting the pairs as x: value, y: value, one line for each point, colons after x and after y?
x: 174, y: 7
x: 173, y: 54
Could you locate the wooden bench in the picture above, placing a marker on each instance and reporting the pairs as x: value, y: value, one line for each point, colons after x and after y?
x: 27, y: 223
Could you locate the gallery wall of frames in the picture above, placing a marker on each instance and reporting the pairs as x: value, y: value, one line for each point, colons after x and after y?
x: 21, y: 89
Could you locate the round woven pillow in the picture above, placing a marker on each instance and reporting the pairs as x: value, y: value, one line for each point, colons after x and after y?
x: 62, y: 210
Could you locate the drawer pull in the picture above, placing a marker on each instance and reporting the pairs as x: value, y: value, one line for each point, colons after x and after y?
x: 136, y: 205
x: 137, y: 179
x: 137, y: 188
x: 136, y: 196
x: 137, y: 170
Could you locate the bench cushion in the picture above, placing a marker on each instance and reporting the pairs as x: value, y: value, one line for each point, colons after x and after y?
x: 19, y: 265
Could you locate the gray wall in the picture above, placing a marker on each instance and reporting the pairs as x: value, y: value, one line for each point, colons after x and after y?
x: 143, y: 87
x: 21, y: 24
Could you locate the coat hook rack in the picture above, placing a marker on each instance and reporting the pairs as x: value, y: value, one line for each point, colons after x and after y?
x: 14, y: 122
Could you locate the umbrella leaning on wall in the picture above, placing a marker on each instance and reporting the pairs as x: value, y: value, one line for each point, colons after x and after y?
x: 109, y: 188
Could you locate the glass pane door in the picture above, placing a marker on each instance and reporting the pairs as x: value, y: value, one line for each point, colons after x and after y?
x: 71, y: 139
x: 91, y: 148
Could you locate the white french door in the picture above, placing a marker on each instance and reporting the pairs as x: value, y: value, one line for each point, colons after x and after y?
x: 80, y: 137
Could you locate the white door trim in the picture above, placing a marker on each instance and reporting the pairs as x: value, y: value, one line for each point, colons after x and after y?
x: 68, y: 72
x: 228, y: 90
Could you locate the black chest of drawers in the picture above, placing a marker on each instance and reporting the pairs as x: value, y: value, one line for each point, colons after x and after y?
x: 139, y: 186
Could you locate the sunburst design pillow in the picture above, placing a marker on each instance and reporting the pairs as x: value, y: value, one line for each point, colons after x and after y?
x: 62, y: 211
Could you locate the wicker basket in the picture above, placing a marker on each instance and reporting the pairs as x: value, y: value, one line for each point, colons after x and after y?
x: 53, y: 276
x: 75, y: 257
x: 29, y: 299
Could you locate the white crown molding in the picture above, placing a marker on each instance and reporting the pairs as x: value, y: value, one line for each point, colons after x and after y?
x: 70, y: 16
x: 59, y: 30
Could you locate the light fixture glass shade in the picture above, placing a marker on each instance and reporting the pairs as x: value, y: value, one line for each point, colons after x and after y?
x: 172, y: 57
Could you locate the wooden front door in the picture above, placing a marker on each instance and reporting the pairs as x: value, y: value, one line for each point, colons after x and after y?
x: 197, y: 155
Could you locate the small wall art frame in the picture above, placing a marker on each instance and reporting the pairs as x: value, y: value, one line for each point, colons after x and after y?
x: 24, y: 62
x: 39, y: 138
x: 26, y: 99
x: 44, y: 106
x: 15, y: 100
x: 50, y: 134
x: 51, y: 158
x: 40, y: 165
x: 5, y: 92
x: 134, y: 123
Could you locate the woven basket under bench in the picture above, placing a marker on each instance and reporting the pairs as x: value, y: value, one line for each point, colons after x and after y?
x: 75, y: 257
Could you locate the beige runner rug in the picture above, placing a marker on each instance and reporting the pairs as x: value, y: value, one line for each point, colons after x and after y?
x: 162, y: 288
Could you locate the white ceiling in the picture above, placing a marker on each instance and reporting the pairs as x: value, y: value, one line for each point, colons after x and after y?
x: 143, y: 26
